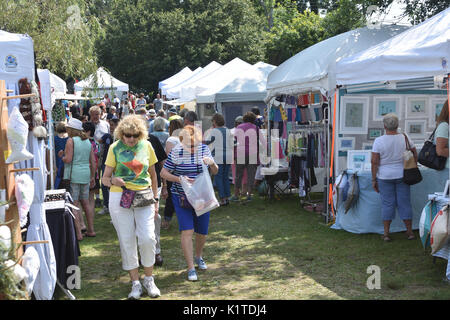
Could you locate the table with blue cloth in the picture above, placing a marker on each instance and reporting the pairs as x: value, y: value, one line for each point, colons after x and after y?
x: 365, y: 215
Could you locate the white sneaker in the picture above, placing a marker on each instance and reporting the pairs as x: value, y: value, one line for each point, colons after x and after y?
x: 103, y: 211
x: 200, y: 263
x: 150, y: 286
x: 192, y: 275
x: 136, y: 291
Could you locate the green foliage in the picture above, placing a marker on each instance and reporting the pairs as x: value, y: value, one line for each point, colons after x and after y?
x: 9, y: 289
x: 145, y: 44
x: 63, y: 35
x: 420, y: 10
x: 344, y: 18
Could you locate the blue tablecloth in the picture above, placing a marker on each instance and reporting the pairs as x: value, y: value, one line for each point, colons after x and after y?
x: 365, y: 217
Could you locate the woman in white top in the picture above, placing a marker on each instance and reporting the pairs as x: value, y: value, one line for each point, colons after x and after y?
x: 174, y: 128
x: 387, y: 175
x: 441, y: 134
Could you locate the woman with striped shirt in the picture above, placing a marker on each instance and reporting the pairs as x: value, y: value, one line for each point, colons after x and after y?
x: 186, y: 160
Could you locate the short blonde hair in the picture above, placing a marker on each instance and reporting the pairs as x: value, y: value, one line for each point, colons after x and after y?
x: 131, y: 124
x: 95, y: 109
x: 190, y: 136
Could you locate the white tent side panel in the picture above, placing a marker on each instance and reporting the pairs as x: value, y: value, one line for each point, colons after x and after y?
x: 16, y: 57
x: 421, y: 51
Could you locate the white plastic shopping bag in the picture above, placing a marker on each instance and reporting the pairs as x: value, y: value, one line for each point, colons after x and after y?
x: 200, y: 193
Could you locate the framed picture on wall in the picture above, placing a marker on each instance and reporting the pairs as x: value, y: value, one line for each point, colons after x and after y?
x: 367, y: 146
x: 374, y: 133
x: 415, y: 128
x: 358, y: 160
x: 436, y: 108
x: 383, y: 105
x: 354, y: 115
x: 346, y: 143
x: 417, y: 107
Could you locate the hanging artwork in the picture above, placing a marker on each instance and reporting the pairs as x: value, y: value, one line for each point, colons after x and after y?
x: 346, y: 143
x: 436, y: 108
x: 359, y: 160
x: 354, y: 115
x: 384, y: 105
x: 374, y: 133
x: 415, y: 128
x: 417, y: 107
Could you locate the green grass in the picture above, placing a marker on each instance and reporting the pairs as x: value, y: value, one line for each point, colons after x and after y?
x: 270, y: 250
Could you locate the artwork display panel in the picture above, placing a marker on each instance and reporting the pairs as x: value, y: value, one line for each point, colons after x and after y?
x: 383, y: 105
x: 354, y: 115
x: 417, y: 107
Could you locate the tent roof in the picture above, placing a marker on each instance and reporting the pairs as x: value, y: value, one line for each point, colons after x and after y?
x: 205, y: 89
x: 165, y: 89
x: 16, y: 57
x: 250, y: 86
x: 421, y: 51
x: 104, y: 81
x: 176, y: 78
x: 314, y: 68
x: 57, y: 84
x: 175, y: 91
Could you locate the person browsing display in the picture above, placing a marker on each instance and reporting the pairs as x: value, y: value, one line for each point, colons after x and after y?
x: 186, y: 160
x: 132, y: 161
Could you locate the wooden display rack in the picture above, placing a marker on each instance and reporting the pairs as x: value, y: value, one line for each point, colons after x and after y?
x: 7, y: 181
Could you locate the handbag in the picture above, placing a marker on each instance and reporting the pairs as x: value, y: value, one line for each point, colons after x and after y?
x: 65, y: 183
x: 184, y: 203
x: 136, y: 199
x: 429, y: 157
x: 411, y: 173
x: 439, y: 232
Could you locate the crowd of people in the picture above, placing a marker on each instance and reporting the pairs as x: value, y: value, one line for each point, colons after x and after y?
x: 145, y: 148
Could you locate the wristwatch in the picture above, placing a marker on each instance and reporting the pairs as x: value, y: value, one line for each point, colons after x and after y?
x: 156, y: 199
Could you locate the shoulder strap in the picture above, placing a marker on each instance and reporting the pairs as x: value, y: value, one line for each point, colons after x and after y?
x: 432, y: 135
x: 408, y: 147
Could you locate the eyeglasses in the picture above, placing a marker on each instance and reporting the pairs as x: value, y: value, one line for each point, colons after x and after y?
x: 128, y: 135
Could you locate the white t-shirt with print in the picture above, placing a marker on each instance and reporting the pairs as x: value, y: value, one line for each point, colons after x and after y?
x: 391, y: 148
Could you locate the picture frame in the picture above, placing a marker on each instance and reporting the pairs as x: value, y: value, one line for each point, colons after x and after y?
x: 436, y: 107
x: 417, y: 107
x: 346, y: 143
x: 359, y: 160
x: 374, y: 133
x: 354, y: 115
x: 383, y: 105
x: 416, y: 129
x: 367, y: 146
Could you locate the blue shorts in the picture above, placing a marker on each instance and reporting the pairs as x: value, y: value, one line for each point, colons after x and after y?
x: 188, y: 219
x: 395, y: 194
x: 79, y: 191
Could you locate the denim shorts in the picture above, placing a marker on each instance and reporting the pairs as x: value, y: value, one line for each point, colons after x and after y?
x: 188, y: 219
x: 79, y: 191
x: 395, y: 194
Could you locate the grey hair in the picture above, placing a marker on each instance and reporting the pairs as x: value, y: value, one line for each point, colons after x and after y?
x: 390, y: 121
x: 159, y: 124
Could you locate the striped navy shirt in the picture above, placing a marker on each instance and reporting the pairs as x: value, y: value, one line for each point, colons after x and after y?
x: 183, y: 163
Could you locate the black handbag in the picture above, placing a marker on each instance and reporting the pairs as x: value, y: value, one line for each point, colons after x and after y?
x: 429, y: 157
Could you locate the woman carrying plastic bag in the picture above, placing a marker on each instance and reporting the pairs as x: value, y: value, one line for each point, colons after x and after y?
x: 187, y: 164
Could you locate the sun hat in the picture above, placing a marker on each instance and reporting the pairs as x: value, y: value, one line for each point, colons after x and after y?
x: 173, y: 110
x: 75, y: 124
x: 239, y: 119
x: 152, y: 112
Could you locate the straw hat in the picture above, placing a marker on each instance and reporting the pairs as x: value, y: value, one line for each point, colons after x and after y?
x: 75, y: 124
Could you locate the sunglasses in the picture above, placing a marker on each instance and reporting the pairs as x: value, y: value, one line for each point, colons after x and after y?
x: 128, y: 135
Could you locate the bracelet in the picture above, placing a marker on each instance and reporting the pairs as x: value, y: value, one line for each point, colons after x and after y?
x: 156, y: 199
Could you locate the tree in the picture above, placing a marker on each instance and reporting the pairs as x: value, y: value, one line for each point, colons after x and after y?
x: 63, y: 35
x: 420, y: 10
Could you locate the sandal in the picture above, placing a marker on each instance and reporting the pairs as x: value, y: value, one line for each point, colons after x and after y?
x: 386, y: 238
x: 411, y: 237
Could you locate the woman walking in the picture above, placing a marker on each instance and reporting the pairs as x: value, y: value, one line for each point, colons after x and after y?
x: 186, y: 160
x: 387, y: 174
x: 131, y: 159
x: 79, y: 168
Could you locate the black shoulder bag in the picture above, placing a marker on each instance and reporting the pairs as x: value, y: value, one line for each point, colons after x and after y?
x: 429, y: 157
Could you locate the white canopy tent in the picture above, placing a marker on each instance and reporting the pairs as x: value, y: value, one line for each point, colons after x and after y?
x: 421, y: 51
x: 165, y: 89
x: 175, y: 79
x: 174, y: 92
x: 101, y: 82
x: 215, y: 80
x: 313, y: 69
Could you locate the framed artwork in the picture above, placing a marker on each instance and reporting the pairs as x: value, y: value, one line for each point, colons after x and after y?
x: 367, y: 146
x: 415, y: 128
x: 374, y: 133
x: 386, y: 104
x: 436, y: 108
x: 359, y: 160
x: 354, y: 115
x: 346, y: 143
x: 417, y: 107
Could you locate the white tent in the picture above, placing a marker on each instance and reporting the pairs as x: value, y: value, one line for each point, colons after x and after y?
x: 248, y: 86
x: 175, y: 91
x: 165, y: 89
x: 213, y: 82
x: 313, y: 69
x: 105, y: 83
x: 175, y: 79
x: 421, y: 51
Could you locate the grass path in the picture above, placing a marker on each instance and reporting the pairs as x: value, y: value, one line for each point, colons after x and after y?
x: 269, y: 250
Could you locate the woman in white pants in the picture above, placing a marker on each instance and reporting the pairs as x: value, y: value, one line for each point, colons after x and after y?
x: 131, y: 159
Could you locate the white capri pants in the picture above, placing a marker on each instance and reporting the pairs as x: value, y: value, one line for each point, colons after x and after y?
x: 132, y: 223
